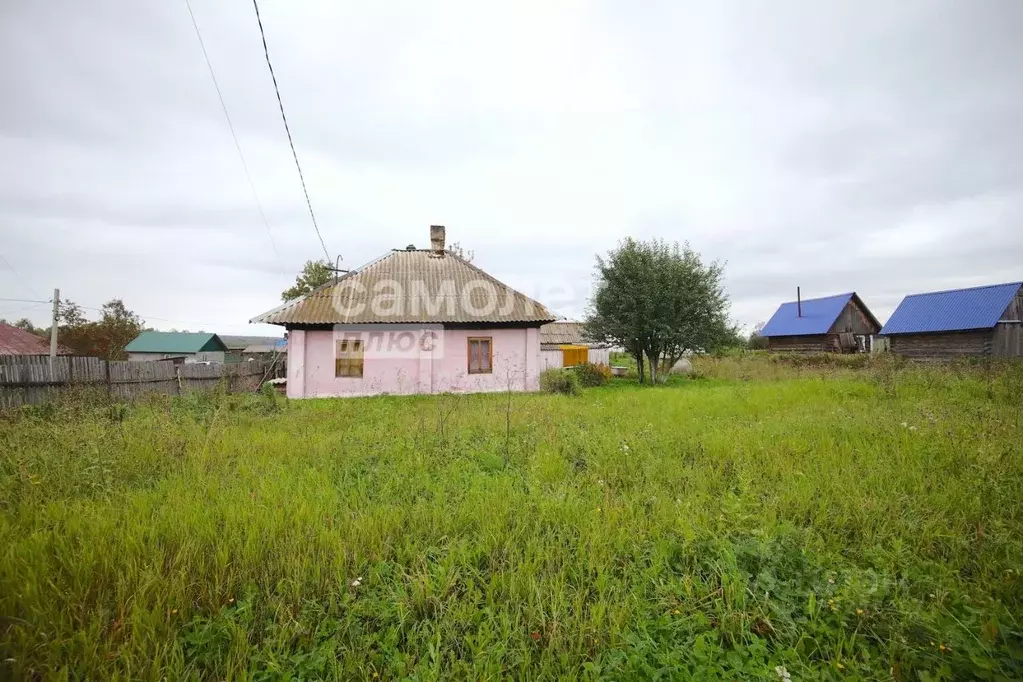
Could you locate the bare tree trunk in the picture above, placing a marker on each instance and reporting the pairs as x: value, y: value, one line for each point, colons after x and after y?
x: 639, y: 365
x: 653, y: 369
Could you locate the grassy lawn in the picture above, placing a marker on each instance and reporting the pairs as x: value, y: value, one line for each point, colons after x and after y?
x: 842, y: 523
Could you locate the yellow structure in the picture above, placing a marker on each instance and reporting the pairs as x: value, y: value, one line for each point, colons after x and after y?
x: 573, y: 355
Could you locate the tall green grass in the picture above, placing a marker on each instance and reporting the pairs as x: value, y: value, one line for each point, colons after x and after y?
x: 839, y: 523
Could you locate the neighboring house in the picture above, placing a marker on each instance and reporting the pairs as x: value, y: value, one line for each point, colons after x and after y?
x: 978, y: 322
x: 178, y: 347
x: 14, y: 341
x: 834, y: 324
x: 412, y: 321
x: 564, y: 344
x: 265, y: 349
x: 237, y: 344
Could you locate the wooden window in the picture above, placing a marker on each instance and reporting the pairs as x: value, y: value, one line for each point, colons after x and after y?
x: 481, y: 355
x: 348, y: 361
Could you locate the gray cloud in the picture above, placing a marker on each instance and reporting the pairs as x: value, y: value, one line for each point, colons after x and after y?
x: 868, y: 146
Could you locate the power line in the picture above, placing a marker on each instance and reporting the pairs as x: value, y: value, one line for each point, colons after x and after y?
x: 93, y: 308
x: 146, y: 318
x: 19, y: 311
x: 287, y: 129
x: 24, y: 300
x: 18, y: 275
x: 234, y: 136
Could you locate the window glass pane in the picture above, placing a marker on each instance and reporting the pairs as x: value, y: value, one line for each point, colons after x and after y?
x: 479, y: 355
x: 349, y: 358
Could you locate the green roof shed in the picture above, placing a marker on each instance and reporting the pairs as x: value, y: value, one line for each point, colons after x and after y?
x: 175, y: 342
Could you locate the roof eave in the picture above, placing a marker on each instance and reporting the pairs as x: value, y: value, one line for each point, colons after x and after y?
x: 934, y: 331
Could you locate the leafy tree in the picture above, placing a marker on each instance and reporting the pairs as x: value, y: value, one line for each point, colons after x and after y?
x: 69, y: 314
x: 658, y: 301
x: 105, y: 338
x: 756, y: 340
x: 315, y: 273
x: 457, y: 249
x: 116, y: 329
x: 26, y: 325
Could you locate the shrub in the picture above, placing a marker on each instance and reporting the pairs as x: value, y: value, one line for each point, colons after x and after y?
x: 559, y: 381
x: 592, y: 374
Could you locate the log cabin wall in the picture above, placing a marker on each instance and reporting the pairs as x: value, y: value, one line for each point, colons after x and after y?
x: 809, y: 343
x: 1007, y: 340
x: 942, y: 345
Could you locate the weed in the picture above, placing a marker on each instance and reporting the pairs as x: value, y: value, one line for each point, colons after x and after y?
x: 591, y: 374
x: 775, y: 521
x: 559, y: 381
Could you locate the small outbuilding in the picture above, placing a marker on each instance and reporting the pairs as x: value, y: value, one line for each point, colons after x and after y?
x: 564, y: 344
x: 975, y: 322
x: 833, y: 324
x: 237, y: 345
x: 177, y: 347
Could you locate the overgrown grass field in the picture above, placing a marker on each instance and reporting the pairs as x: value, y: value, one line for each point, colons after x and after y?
x: 757, y: 521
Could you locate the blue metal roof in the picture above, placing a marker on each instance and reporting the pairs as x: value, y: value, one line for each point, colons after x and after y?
x: 954, y: 310
x: 818, y: 316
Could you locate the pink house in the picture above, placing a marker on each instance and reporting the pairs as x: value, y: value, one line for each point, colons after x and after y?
x: 412, y: 321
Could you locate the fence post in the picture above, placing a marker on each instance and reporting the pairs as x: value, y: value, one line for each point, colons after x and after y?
x: 106, y: 370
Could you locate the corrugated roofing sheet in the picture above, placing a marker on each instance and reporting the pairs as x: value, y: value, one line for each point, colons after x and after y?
x: 14, y: 341
x: 818, y: 316
x: 239, y: 342
x: 256, y: 348
x: 411, y: 286
x: 563, y: 332
x: 174, y: 342
x: 953, y: 310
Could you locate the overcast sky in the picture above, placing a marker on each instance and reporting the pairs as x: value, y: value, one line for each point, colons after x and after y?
x: 867, y: 146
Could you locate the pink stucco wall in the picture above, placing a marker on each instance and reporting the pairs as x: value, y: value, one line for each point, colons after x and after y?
x: 437, y: 369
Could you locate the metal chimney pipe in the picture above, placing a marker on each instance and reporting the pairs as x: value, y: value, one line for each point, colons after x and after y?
x: 799, y: 303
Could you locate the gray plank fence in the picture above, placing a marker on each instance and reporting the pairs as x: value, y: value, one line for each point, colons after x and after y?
x: 26, y: 379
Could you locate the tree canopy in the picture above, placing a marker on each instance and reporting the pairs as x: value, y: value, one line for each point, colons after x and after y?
x: 658, y: 301
x: 105, y: 338
x: 757, y: 340
x: 25, y: 324
x: 315, y: 273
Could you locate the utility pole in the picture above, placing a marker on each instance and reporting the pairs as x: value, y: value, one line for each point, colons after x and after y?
x: 336, y: 269
x: 53, y: 331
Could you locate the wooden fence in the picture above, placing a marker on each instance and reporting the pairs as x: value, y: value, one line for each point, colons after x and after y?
x: 27, y: 379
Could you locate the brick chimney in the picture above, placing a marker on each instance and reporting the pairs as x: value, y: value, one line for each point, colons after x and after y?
x: 437, y: 239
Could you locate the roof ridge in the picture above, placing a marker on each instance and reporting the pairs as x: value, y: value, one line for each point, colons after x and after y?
x: 418, y: 266
x: 487, y: 275
x: 821, y: 298
x: 951, y: 310
x: 949, y: 291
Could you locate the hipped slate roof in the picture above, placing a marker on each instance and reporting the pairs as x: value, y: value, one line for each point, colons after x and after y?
x: 175, y: 342
x: 564, y: 332
x: 417, y: 286
x: 14, y: 341
x: 953, y: 310
x: 818, y: 316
